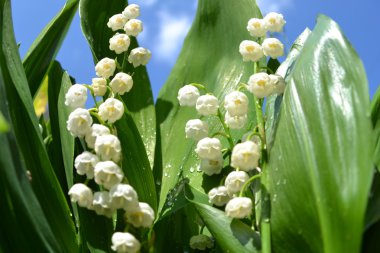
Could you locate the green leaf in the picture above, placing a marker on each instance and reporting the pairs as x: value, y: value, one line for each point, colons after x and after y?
x: 29, y: 140
x: 373, y: 208
x: 214, y: 39
x: 375, y: 115
x: 47, y: 45
x: 94, y: 17
x: 232, y: 235
x: 320, y: 166
x: 4, y: 127
x: 273, y: 104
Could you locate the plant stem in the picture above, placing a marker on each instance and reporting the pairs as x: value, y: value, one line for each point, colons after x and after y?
x: 248, y: 183
x: 226, y: 129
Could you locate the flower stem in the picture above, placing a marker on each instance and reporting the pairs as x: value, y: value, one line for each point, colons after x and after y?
x: 226, y: 129
x: 248, y: 183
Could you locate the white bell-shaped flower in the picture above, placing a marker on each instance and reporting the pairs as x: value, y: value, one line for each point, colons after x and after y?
x: 81, y: 194
x: 79, y: 122
x: 259, y: 84
x: 121, y: 83
x: 201, y: 242
x: 116, y: 22
x: 108, y: 147
x: 209, y: 148
x: 245, y: 156
x: 188, y: 95
x: 142, y: 216
x: 125, y: 243
x: 139, y: 56
x: 251, y: 50
x: 76, y: 96
x: 101, y: 204
x: 212, y: 166
x: 133, y: 27
x: 196, y: 129
x: 274, y: 22
x: 99, y: 86
x: 96, y: 131
x: 256, y: 27
x: 108, y: 174
x: 273, y: 48
x: 235, y: 122
x: 235, y: 181
x: 85, y: 164
x: 123, y: 196
x: 277, y: 84
x: 131, y: 11
x: 236, y: 103
x: 239, y: 208
x: 119, y: 43
x: 105, y: 68
x: 111, y: 110
x: 219, y: 196
x: 207, y: 105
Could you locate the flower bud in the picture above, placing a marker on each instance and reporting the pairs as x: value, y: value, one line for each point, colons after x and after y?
x: 76, y: 96
x: 108, y: 174
x: 111, y: 110
x: 96, y: 131
x: 79, y: 122
x: 273, y: 48
x: 239, y: 208
x: 212, y: 166
x: 235, y: 181
x: 125, y: 243
x: 123, y: 196
x: 99, y: 86
x: 207, y: 105
x: 133, y: 27
x: 196, y: 129
x: 235, y: 122
x: 139, y: 56
x: 277, y: 84
x: 201, y: 242
x: 121, y: 83
x: 250, y: 50
x: 119, y: 43
x: 236, y: 103
x: 245, y: 156
x: 259, y: 84
x: 256, y: 27
x: 209, y: 148
x: 131, y: 11
x: 107, y: 147
x: 85, y: 164
x: 116, y: 22
x: 274, y: 22
x: 81, y: 194
x: 188, y: 95
x: 219, y: 196
x: 143, y: 216
x: 105, y: 67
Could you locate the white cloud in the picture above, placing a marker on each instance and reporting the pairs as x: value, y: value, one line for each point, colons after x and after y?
x: 172, y: 31
x: 147, y: 3
x: 274, y: 5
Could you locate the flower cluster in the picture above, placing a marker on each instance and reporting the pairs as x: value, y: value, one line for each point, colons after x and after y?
x: 101, y: 160
x: 246, y: 155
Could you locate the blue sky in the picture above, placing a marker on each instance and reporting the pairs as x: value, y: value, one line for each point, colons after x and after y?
x: 166, y: 23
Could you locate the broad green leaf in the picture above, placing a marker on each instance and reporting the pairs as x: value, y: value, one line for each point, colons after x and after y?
x: 210, y: 56
x: 232, y: 235
x: 47, y: 44
x: 373, y: 208
x: 375, y: 115
x: 4, y: 127
x: 320, y: 166
x: 135, y: 163
x: 94, y: 17
x: 273, y: 105
x: 41, y: 99
x: 63, y: 143
x: 29, y: 140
